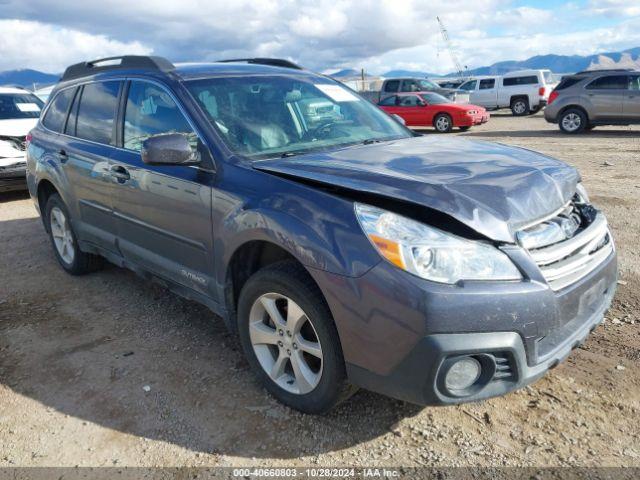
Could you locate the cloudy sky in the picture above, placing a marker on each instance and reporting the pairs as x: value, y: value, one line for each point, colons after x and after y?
x: 323, y: 35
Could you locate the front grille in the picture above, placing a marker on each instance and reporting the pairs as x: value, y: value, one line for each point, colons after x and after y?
x: 565, y: 262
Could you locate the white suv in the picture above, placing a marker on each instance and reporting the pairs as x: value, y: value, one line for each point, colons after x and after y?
x: 524, y: 91
x: 19, y: 112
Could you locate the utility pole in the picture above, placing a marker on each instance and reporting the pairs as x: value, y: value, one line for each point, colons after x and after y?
x: 447, y: 41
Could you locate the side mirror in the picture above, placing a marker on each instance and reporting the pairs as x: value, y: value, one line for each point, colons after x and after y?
x: 168, y: 149
x: 398, y: 119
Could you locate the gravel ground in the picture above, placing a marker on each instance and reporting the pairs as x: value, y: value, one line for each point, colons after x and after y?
x: 110, y: 370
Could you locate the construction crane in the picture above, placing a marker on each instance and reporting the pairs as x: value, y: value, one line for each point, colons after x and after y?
x: 449, y: 45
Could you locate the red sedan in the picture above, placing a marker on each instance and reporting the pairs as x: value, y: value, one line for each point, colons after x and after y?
x: 428, y: 109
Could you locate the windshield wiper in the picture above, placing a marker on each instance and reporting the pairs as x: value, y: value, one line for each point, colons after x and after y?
x: 289, y: 154
x: 369, y: 141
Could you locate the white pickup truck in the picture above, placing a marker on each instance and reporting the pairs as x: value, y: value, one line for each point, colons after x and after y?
x: 524, y: 91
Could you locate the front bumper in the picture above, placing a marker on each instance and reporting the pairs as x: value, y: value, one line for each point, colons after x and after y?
x: 399, y: 333
x: 12, y: 174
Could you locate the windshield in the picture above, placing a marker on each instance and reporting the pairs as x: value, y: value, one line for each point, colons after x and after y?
x: 434, y: 98
x: 269, y: 116
x: 19, y: 105
x: 428, y: 85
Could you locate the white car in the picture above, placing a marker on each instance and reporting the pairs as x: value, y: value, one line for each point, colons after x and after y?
x: 19, y: 112
x: 524, y: 91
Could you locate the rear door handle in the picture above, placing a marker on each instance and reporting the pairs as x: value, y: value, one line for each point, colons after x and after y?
x: 62, y: 155
x: 120, y: 173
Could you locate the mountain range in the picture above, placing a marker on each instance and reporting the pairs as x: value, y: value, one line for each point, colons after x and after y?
x: 556, y: 63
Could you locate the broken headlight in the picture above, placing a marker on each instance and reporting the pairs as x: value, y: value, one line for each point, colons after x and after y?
x: 431, y: 253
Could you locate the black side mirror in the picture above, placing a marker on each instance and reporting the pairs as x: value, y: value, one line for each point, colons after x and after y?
x: 168, y: 149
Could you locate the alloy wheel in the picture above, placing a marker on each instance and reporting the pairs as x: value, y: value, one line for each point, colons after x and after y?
x: 285, y: 343
x: 62, y: 235
x: 571, y: 122
x: 442, y: 124
x: 519, y: 107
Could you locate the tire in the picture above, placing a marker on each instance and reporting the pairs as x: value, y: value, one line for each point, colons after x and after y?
x: 520, y: 106
x: 464, y: 129
x: 64, y: 240
x: 286, y: 286
x: 443, y: 123
x: 573, y: 120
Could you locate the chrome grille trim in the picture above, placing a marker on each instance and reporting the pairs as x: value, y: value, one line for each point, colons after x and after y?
x: 567, y: 262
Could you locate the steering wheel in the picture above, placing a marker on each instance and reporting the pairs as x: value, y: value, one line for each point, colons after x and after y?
x: 323, y: 130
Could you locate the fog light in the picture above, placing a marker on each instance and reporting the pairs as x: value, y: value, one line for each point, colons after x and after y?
x: 462, y: 374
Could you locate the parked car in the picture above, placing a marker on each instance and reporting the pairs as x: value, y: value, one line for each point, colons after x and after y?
x: 453, y: 83
x: 524, y: 92
x: 19, y: 111
x: 44, y: 92
x: 591, y: 98
x: 391, y: 86
x: 353, y: 253
x: 427, y: 109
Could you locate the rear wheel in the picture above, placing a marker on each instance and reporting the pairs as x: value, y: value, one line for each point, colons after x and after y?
x: 64, y: 240
x: 443, y: 123
x: 573, y: 120
x: 520, y: 106
x: 290, y: 340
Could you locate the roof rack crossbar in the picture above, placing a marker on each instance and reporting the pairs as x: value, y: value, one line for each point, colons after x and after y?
x: 605, y: 70
x: 274, y: 62
x: 92, y: 67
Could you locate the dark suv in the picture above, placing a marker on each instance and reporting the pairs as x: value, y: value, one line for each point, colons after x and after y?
x: 345, y: 252
x: 597, y: 97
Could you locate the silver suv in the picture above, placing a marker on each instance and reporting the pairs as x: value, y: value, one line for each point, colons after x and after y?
x: 590, y: 98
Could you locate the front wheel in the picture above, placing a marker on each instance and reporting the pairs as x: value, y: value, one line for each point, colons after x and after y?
x: 573, y: 120
x: 290, y: 340
x: 443, y: 123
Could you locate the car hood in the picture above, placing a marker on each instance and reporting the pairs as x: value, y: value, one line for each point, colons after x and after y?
x: 17, y: 127
x: 492, y: 188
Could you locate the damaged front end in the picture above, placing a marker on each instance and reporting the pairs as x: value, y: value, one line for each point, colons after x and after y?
x: 12, y: 162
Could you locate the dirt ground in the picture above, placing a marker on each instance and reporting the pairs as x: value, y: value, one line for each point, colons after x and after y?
x: 107, y: 369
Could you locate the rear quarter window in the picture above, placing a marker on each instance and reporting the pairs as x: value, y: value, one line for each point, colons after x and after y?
x: 392, y: 86
x: 568, y: 82
x: 56, y: 114
x: 97, y: 112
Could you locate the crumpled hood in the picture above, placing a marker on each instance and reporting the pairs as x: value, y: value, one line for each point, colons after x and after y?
x: 492, y: 188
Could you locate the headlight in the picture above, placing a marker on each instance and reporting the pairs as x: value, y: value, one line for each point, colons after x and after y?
x: 431, y: 253
x: 582, y: 193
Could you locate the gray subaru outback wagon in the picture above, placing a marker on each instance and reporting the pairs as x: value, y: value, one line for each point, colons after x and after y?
x: 344, y: 250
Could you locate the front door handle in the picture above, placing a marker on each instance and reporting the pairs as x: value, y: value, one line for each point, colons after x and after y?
x: 120, y: 173
x: 62, y: 155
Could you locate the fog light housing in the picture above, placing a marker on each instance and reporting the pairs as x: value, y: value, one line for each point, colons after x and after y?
x: 462, y: 374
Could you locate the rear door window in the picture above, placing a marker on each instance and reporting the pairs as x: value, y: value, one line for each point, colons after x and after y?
x: 57, y: 112
x: 151, y: 111
x: 97, y: 112
x: 611, y: 82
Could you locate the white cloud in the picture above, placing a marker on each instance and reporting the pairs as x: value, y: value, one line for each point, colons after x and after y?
x: 320, y: 34
x: 614, y: 8
x: 28, y: 44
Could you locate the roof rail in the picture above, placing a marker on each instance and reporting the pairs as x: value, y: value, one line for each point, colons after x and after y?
x: 274, y: 62
x: 605, y: 70
x: 92, y: 67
